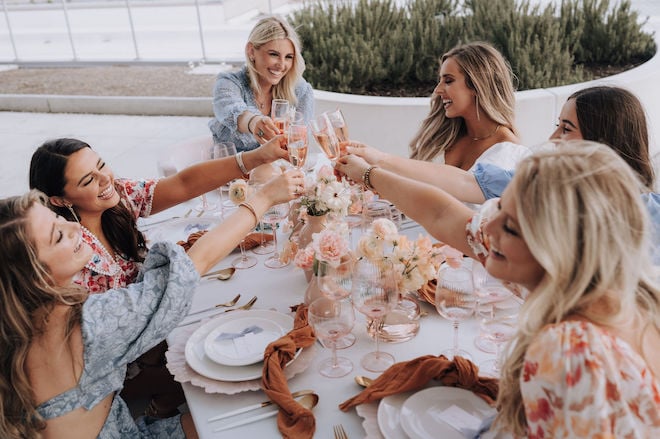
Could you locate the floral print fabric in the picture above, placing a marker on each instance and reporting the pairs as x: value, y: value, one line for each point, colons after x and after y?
x: 580, y: 381
x: 104, y: 272
x: 118, y: 327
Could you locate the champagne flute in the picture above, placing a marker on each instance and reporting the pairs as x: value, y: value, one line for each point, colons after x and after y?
x: 297, y: 145
x: 325, y: 136
x: 489, y: 291
x: 455, y: 301
x: 279, y: 112
x: 331, y: 320
x: 273, y: 216
x: 338, y: 123
x: 374, y: 294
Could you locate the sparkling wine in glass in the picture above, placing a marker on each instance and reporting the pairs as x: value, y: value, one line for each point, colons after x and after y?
x: 279, y: 113
x: 338, y: 124
x: 325, y: 136
x: 331, y: 320
x: 374, y: 293
x: 455, y: 301
x: 273, y: 216
x: 297, y: 145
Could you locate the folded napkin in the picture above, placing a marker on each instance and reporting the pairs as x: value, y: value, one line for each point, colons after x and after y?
x: 427, y: 291
x: 415, y: 374
x: 293, y: 420
x: 251, y: 241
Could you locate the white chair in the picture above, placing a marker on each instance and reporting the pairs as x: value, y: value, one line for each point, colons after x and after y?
x: 182, y: 154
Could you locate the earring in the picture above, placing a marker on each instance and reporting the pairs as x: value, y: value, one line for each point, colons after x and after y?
x: 73, y: 212
x: 252, y: 60
x: 477, y: 102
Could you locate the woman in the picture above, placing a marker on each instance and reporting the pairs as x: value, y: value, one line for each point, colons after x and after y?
x: 273, y: 70
x: 81, y: 187
x: 65, y: 352
x: 571, y: 229
x: 472, y: 111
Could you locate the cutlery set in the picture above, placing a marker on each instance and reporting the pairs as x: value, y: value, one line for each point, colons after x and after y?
x: 229, y: 304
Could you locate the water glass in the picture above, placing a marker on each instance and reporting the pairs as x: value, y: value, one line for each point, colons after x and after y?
x: 273, y: 216
x: 489, y: 291
x: 331, y: 320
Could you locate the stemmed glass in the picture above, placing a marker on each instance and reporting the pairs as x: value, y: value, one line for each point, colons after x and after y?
x: 338, y: 123
x: 499, y: 328
x: 297, y: 145
x: 374, y: 294
x: 455, y: 301
x: 264, y: 247
x: 279, y: 112
x: 273, y: 216
x: 244, y: 260
x: 220, y: 150
x: 325, y: 136
x: 489, y: 291
x: 335, y: 284
x: 332, y: 319
x: 206, y: 153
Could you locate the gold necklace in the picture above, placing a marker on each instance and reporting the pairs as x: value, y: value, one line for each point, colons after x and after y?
x: 475, y: 139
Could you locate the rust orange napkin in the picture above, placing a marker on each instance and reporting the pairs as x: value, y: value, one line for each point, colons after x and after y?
x: 415, y: 374
x: 251, y: 241
x: 293, y: 420
x: 427, y: 291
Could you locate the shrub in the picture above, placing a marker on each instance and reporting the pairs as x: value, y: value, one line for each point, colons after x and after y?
x: 369, y: 46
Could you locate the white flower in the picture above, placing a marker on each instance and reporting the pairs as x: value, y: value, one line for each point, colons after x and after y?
x: 384, y: 229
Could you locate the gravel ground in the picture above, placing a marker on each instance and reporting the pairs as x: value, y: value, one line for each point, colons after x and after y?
x: 171, y: 81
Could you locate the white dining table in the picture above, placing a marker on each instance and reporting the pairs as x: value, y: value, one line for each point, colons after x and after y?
x: 278, y: 289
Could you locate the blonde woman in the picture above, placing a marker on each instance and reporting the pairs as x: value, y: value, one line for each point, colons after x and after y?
x: 273, y: 70
x: 472, y: 111
x: 570, y: 228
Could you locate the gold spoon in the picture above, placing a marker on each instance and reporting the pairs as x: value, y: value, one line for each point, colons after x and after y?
x: 222, y: 274
x: 246, y: 306
x: 257, y: 406
x: 308, y: 401
x: 363, y: 380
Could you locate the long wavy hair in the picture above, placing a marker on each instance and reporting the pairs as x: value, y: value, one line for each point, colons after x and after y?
x: 614, y: 116
x: 490, y: 76
x: 47, y: 169
x: 266, y: 30
x: 581, y: 216
x: 27, y: 294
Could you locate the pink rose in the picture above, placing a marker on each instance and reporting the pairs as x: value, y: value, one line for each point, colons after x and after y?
x: 329, y: 246
x: 304, y: 258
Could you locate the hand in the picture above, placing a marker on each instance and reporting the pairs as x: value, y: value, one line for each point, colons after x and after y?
x: 272, y: 150
x: 370, y: 154
x: 285, y: 187
x: 264, y: 129
x: 352, y: 167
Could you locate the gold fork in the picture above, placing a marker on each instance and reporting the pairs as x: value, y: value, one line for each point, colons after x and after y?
x: 340, y: 433
x: 246, y: 306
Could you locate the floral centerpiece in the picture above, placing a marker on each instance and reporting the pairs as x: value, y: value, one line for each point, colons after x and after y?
x: 415, y: 262
x: 325, y: 194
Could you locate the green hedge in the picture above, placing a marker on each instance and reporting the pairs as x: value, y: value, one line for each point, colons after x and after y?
x: 355, y: 47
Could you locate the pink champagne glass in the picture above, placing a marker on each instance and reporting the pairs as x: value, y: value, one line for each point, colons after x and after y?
x: 331, y: 320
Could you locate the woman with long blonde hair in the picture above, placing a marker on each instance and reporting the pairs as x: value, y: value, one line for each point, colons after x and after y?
x: 273, y: 70
x: 572, y: 229
x: 472, y: 111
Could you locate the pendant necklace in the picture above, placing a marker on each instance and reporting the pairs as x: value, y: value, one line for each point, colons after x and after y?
x: 475, y: 139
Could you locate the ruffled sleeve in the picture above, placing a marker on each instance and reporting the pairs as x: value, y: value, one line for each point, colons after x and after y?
x: 579, y: 381
x: 137, y: 195
x: 492, y: 179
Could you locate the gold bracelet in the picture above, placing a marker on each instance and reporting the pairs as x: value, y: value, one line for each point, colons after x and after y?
x: 366, y: 178
x: 249, y: 207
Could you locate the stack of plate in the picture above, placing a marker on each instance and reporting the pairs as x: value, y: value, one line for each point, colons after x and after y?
x: 231, y: 347
x: 446, y: 412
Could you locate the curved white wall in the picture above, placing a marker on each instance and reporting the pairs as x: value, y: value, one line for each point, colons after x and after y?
x: 390, y: 123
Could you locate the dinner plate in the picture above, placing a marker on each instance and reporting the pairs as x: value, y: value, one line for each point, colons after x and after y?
x: 198, y: 360
x: 446, y: 412
x: 179, y: 229
x: 389, y: 415
x: 242, y: 341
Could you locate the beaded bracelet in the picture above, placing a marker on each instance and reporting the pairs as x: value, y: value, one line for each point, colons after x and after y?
x: 249, y: 207
x: 250, y: 121
x: 366, y: 177
x: 241, y: 165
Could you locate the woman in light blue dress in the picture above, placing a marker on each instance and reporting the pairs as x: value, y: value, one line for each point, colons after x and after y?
x: 65, y: 352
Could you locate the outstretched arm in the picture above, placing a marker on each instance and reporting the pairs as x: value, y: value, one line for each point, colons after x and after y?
x: 218, y: 242
x: 203, y: 177
x: 455, y: 181
x: 442, y: 215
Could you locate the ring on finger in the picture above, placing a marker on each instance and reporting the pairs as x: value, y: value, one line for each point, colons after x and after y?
x: 260, y: 133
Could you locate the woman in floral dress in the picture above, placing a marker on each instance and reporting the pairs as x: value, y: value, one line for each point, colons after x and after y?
x: 65, y: 352
x: 570, y: 228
